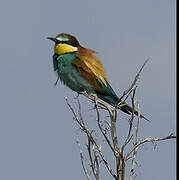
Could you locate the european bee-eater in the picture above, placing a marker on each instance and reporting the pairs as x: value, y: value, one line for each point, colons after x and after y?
x: 79, y: 69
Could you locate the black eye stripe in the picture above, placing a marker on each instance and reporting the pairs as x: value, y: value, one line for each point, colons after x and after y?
x: 67, y: 39
x: 70, y: 42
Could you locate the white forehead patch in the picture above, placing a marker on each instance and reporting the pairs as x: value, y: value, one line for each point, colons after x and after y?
x: 62, y: 38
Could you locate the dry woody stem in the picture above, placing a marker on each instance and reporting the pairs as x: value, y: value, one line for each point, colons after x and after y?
x: 111, y: 135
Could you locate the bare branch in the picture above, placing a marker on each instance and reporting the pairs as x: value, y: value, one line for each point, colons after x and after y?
x: 135, y: 81
x: 149, y: 139
x: 79, y: 109
x: 113, y: 116
x: 82, y: 160
x: 136, y: 141
x: 129, y: 136
x: 102, y: 104
x: 89, y: 135
x: 92, y: 162
x: 94, y: 150
x: 102, y: 131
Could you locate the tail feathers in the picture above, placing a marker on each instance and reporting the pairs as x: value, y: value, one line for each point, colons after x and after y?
x: 128, y: 109
x: 111, y: 98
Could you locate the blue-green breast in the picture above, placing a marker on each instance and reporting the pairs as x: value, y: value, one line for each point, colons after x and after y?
x: 66, y: 70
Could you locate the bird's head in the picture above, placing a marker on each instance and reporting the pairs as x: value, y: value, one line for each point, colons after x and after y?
x: 64, y: 43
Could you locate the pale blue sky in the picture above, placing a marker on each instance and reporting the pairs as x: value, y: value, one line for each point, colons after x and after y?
x: 36, y: 127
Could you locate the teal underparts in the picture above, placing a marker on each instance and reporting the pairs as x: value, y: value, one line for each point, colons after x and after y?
x: 67, y: 72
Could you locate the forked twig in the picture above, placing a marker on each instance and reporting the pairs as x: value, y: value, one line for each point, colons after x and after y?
x: 128, y: 91
x: 89, y: 135
x: 82, y: 160
x: 149, y: 139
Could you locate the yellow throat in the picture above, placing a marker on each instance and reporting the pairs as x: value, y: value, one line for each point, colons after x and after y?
x: 64, y: 48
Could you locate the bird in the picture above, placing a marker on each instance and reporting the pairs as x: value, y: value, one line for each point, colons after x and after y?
x: 80, y: 69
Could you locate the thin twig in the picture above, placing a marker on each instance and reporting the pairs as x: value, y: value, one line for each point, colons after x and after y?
x: 134, y: 82
x: 102, y: 131
x: 129, y: 136
x: 95, y: 171
x: 149, y: 139
x: 79, y: 109
x: 136, y: 141
x: 82, y: 160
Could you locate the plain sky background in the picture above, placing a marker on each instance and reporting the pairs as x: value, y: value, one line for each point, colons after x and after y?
x: 37, y: 132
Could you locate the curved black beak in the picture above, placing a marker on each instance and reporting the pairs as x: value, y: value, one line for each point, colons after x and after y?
x: 53, y: 39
